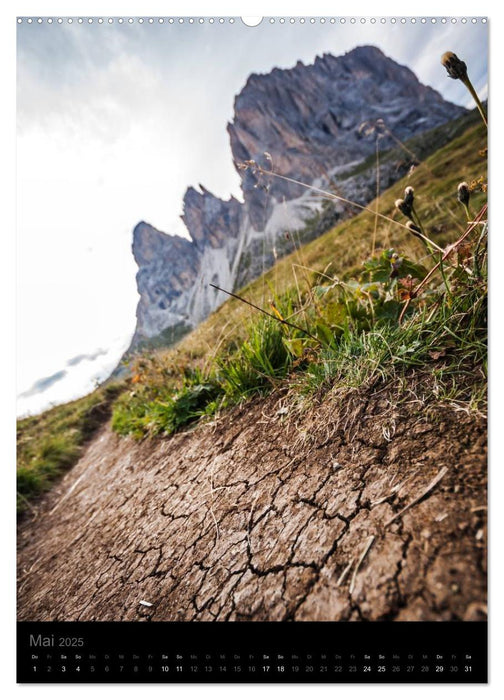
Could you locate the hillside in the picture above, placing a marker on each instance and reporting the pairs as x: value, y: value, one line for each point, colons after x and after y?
x: 338, y: 253
x: 50, y: 443
x: 277, y: 474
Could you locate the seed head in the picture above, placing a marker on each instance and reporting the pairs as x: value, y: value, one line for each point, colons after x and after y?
x: 403, y: 207
x: 409, y: 196
x: 463, y: 193
x: 456, y: 68
x: 413, y: 228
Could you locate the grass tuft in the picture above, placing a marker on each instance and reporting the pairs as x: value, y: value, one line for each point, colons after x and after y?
x: 259, y: 363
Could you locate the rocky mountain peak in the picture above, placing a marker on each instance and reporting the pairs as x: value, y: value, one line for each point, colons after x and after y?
x: 149, y: 244
x: 210, y: 220
x: 308, y: 117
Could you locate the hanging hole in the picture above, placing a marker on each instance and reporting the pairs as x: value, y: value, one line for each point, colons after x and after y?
x: 251, y: 21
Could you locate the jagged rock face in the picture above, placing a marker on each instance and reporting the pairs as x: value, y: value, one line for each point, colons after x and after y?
x: 168, y: 268
x: 211, y: 221
x: 307, y: 118
x: 174, y: 272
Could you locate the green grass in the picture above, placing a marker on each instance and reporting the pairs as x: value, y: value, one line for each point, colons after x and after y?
x: 355, y: 340
x: 450, y: 343
x: 50, y: 443
x: 170, y: 409
x: 256, y: 365
x: 343, y: 248
x: 259, y: 363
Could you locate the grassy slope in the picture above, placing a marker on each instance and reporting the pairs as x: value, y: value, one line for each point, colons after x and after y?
x: 342, y: 249
x: 50, y: 443
x: 234, y: 357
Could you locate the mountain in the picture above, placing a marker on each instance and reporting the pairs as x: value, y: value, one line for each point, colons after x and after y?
x: 304, y: 123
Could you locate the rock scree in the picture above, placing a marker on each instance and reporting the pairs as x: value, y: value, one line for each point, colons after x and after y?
x: 349, y: 507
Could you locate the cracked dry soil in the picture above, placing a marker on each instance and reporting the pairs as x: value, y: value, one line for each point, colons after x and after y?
x: 265, y: 514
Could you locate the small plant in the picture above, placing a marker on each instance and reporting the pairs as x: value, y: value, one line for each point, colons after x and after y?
x: 463, y: 196
x: 187, y: 405
x: 258, y: 364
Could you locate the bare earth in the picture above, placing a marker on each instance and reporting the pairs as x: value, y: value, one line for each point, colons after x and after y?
x: 270, y: 513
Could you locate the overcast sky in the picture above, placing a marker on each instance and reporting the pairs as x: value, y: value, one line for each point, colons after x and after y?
x: 114, y: 123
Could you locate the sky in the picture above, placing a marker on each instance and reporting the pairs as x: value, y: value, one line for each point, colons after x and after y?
x: 114, y: 122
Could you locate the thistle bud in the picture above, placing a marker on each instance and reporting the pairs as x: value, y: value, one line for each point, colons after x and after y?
x: 409, y: 197
x: 413, y: 228
x: 463, y: 193
x: 403, y: 207
x: 456, y: 68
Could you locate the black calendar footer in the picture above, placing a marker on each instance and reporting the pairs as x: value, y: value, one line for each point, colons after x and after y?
x: 252, y: 652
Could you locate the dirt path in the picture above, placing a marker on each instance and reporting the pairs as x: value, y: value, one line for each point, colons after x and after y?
x: 265, y: 515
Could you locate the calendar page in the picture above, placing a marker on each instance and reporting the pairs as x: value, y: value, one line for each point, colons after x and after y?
x: 252, y: 349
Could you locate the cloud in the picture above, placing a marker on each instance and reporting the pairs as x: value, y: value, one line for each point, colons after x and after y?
x: 44, y: 384
x: 89, y: 356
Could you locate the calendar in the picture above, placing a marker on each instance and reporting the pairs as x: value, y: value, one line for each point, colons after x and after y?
x: 252, y: 349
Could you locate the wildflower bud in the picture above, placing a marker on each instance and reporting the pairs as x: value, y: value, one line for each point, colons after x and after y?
x: 409, y: 196
x: 413, y: 228
x: 403, y: 207
x: 456, y: 68
x: 395, y: 263
x: 463, y: 193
